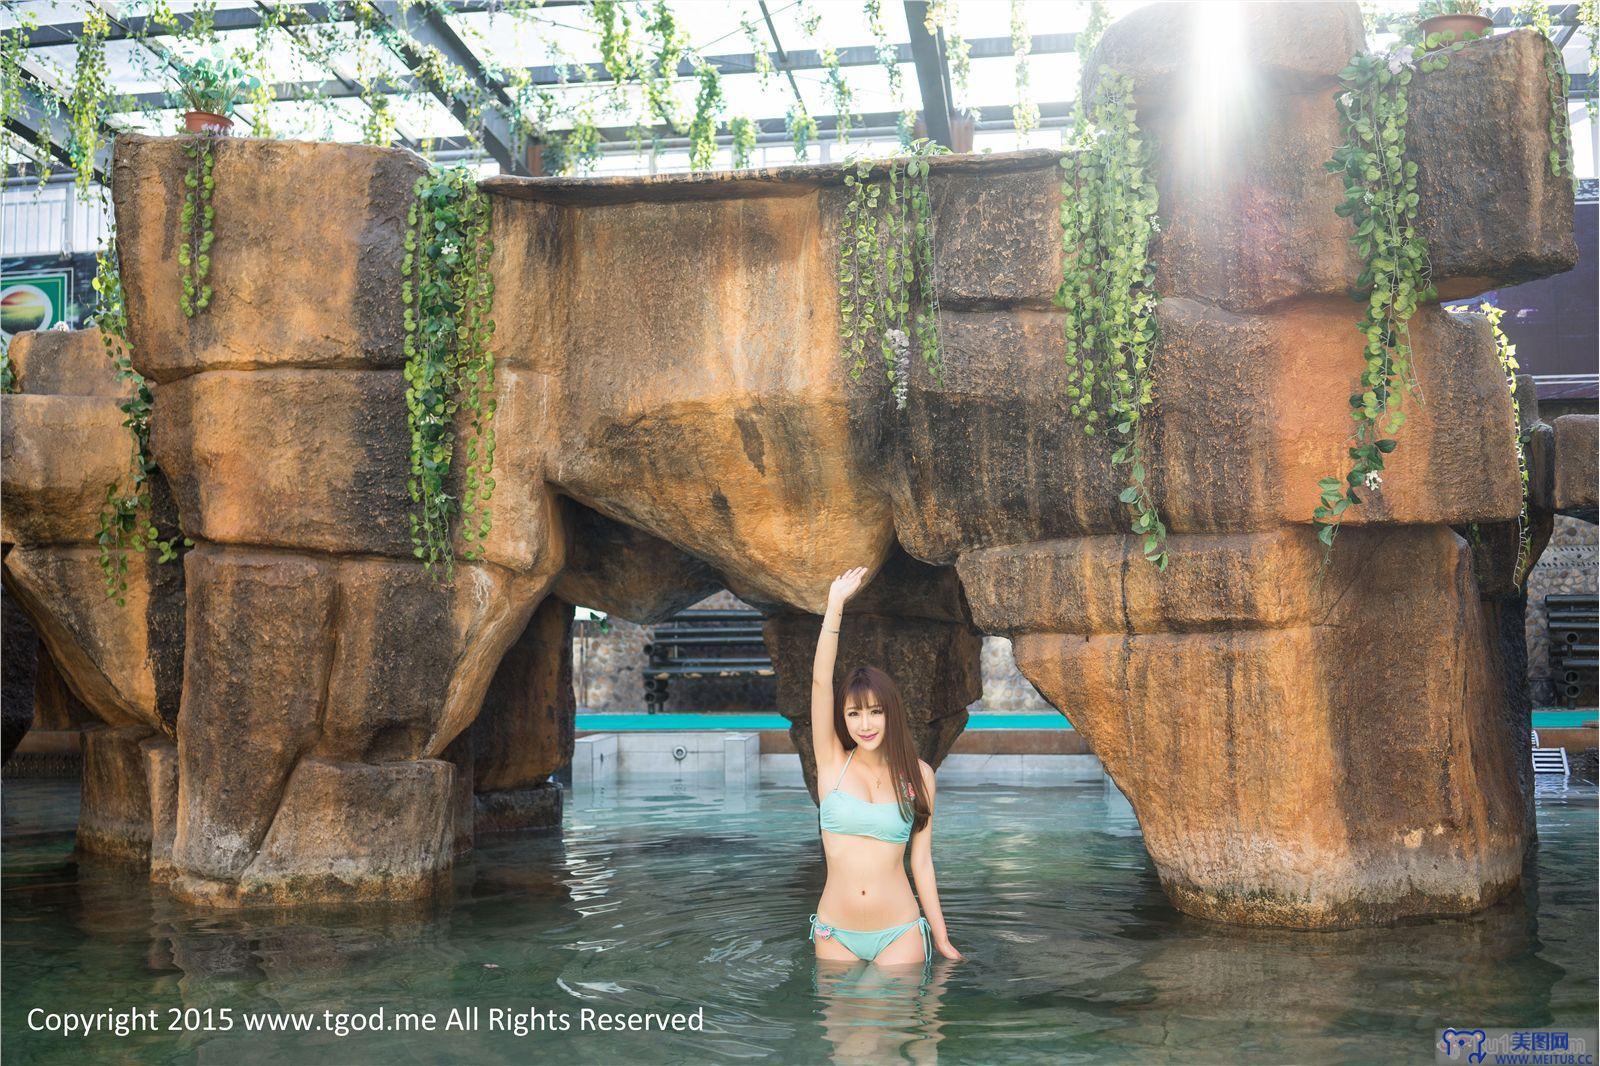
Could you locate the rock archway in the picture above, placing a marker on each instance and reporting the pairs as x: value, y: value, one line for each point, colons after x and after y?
x: 1304, y: 746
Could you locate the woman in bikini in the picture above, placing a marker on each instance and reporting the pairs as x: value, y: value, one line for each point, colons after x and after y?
x: 882, y: 796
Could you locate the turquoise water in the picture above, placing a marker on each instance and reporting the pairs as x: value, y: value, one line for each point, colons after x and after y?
x: 591, y: 721
x: 655, y: 899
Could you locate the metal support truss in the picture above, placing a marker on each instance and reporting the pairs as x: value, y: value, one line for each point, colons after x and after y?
x: 927, y: 52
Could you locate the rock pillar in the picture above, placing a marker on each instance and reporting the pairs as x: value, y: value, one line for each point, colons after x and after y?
x: 1309, y: 747
x: 525, y: 731
x: 326, y: 671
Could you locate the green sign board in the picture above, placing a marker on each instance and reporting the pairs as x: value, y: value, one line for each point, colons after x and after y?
x: 33, y: 301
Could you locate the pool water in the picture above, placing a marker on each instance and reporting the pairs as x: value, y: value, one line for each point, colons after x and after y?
x: 658, y: 899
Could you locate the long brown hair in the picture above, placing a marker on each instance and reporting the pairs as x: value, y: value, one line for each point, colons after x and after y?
x: 862, y: 686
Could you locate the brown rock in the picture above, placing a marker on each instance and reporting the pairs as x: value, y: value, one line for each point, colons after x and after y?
x: 58, y: 455
x: 308, y: 459
x: 1576, y: 482
x: 1491, y: 211
x: 316, y: 656
x: 519, y: 809
x: 626, y: 572
x: 114, y: 812
x: 55, y: 362
x: 384, y: 700
x: 254, y: 700
x: 1541, y: 451
x: 305, y: 266
x: 1102, y: 586
x: 647, y: 398
x: 1251, y: 412
x: 1272, y: 758
x: 55, y: 706
x: 1454, y: 461
x: 463, y: 812
x: 161, y: 772
x: 348, y: 832
x: 989, y: 230
x: 907, y: 587
x: 1267, y: 716
x: 1246, y: 206
x: 124, y: 662
x: 524, y: 732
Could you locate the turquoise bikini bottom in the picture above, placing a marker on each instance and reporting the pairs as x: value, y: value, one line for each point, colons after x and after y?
x: 866, y: 945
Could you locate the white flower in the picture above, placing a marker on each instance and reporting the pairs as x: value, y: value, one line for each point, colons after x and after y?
x: 449, y: 248
x: 902, y: 365
x: 1372, y: 480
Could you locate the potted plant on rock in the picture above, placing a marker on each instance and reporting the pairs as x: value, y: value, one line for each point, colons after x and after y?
x: 1447, y: 22
x: 211, y: 87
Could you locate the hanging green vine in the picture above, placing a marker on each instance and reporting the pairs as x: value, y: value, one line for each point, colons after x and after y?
x: 8, y: 376
x: 616, y: 45
x: 887, y: 295
x: 1095, y: 23
x: 743, y: 131
x: 195, y: 232
x: 888, y: 56
x: 1555, y: 80
x: 1024, y: 113
x: 448, y: 295
x: 802, y: 130
x: 708, y: 104
x: 1381, y: 203
x: 941, y: 15
x: 125, y: 523
x: 1506, y: 353
x: 90, y: 90
x: 13, y: 50
x: 1108, y: 220
x: 669, y: 46
x: 839, y: 93
x: 758, y: 50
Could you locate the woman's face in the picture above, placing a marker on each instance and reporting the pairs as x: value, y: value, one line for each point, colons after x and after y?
x: 866, y: 722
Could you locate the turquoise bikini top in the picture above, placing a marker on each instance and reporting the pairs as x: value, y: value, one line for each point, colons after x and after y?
x: 841, y: 812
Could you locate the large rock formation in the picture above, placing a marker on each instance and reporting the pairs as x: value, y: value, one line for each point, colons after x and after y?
x: 1307, y: 741
x: 64, y: 444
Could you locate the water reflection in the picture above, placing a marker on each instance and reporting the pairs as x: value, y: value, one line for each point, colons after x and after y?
x: 657, y: 900
x: 882, y: 1013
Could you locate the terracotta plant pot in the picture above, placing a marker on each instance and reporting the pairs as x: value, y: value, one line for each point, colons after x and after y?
x: 1459, y: 25
x: 206, y: 122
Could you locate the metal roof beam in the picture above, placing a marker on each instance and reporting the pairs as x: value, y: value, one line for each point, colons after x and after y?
x: 928, y: 55
x: 432, y: 31
x: 236, y: 18
x: 735, y: 63
x: 34, y: 114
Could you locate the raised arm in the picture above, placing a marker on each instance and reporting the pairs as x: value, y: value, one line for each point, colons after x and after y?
x: 824, y: 740
x: 922, y: 874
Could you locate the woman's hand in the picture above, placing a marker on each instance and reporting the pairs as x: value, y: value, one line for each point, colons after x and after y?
x: 846, y: 585
x: 948, y: 950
